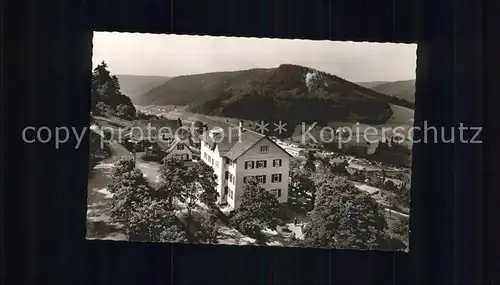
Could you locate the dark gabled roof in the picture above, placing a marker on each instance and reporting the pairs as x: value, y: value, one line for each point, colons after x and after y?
x: 229, y: 144
x: 175, y: 143
x: 158, y: 128
x: 244, y: 143
x: 163, y: 144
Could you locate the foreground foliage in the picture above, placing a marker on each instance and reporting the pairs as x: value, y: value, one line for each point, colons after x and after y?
x: 258, y: 210
x: 106, y: 97
x: 147, y: 212
x: 344, y: 217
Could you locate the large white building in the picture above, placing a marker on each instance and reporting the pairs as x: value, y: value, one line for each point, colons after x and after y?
x: 236, y: 154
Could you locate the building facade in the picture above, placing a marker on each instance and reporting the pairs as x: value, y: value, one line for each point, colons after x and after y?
x: 180, y: 149
x: 238, y: 156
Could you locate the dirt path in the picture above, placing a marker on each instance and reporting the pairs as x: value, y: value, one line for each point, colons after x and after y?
x: 99, y: 223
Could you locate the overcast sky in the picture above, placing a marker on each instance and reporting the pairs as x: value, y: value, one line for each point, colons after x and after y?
x: 173, y: 55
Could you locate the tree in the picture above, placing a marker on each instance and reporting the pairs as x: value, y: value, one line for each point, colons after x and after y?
x: 207, y: 180
x: 108, y: 134
x: 390, y: 186
x: 125, y: 111
x: 106, y: 97
x: 144, y: 218
x: 208, y: 230
x: 344, y: 217
x: 309, y: 165
x: 403, y: 197
x: 152, y: 221
x: 199, y: 127
x: 172, y: 180
x: 301, y: 184
x: 190, y: 193
x: 340, y: 168
x: 129, y: 192
x: 188, y: 185
x: 122, y: 166
x: 401, y: 227
x: 258, y: 209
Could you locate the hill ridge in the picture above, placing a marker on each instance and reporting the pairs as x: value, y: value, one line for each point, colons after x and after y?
x: 288, y: 91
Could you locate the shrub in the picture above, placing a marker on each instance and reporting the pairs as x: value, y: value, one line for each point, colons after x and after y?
x: 208, y: 228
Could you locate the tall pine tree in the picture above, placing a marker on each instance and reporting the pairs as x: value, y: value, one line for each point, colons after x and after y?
x: 106, y: 97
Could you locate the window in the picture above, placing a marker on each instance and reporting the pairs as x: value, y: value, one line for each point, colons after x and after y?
x: 231, y: 194
x: 249, y: 164
x: 264, y: 148
x: 205, y: 155
x: 261, y: 179
x: 228, y: 161
x: 246, y: 178
x: 227, y: 174
x: 226, y: 190
x: 276, y: 192
x: 277, y: 163
x: 275, y: 178
x: 261, y: 164
x: 180, y: 146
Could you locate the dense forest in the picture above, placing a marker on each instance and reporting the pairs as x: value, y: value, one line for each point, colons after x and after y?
x: 106, y: 97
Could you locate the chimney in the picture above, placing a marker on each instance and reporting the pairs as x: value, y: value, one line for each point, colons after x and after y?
x: 226, y: 120
x: 240, y: 127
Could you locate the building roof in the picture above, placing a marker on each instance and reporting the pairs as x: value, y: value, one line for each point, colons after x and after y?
x: 298, y: 149
x: 230, y: 142
x: 95, y: 129
x: 176, y: 142
x: 157, y: 128
x: 163, y: 144
x: 366, y: 188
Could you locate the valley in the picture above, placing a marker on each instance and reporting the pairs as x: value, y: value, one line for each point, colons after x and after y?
x: 295, y: 95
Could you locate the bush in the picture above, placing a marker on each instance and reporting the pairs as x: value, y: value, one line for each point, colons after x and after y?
x: 130, y: 146
x: 108, y: 134
x: 401, y: 227
x: 122, y: 166
x: 259, y: 209
x: 390, y: 186
x: 250, y: 228
x: 152, y: 222
x: 208, y: 228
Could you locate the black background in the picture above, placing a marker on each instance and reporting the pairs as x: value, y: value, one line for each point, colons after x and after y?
x: 46, y: 80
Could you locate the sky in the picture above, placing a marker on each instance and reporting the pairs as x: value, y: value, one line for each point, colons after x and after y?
x: 174, y: 55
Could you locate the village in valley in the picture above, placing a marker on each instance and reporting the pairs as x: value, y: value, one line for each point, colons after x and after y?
x: 177, y: 173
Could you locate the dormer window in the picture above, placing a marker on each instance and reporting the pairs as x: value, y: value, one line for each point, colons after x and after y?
x: 180, y: 146
x: 264, y: 149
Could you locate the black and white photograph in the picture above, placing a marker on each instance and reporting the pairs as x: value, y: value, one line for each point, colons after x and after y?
x: 250, y: 141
